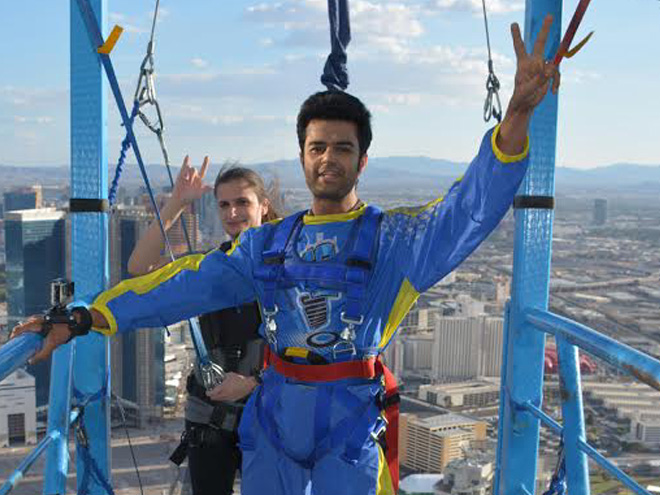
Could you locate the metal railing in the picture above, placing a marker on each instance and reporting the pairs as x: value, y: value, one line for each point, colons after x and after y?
x: 17, y: 352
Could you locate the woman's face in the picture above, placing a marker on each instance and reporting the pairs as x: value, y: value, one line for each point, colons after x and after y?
x: 239, y: 206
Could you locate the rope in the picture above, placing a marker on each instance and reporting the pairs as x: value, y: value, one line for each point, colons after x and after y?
x: 128, y: 437
x: 335, y: 72
x: 92, y: 468
x: 558, y: 482
x: 146, y: 73
x: 492, y: 105
x: 125, y: 146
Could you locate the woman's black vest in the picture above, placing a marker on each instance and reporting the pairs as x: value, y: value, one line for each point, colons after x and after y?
x: 232, y: 339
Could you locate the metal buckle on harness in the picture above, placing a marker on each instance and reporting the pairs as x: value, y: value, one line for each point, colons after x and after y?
x: 212, y: 375
x: 271, y: 326
x: 378, y: 433
x: 347, y: 336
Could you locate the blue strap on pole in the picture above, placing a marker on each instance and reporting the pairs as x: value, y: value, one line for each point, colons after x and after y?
x: 97, y: 40
x: 558, y: 482
x: 335, y: 72
x: 92, y: 467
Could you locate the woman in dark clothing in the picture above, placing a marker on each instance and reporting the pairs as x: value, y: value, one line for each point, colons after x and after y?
x: 231, y: 336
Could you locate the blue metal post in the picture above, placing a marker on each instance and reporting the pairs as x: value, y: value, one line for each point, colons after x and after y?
x: 577, y: 468
x: 89, y: 179
x: 26, y: 464
x: 16, y: 353
x: 59, y: 406
x: 531, y: 270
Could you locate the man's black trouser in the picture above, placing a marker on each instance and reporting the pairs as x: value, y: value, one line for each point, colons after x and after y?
x: 213, y: 459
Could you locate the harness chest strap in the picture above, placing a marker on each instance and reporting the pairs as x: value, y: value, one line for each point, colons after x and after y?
x: 370, y: 368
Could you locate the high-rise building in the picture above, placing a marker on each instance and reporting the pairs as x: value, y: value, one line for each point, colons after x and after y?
x: 176, y: 234
x: 210, y: 226
x: 600, y: 211
x: 470, y: 394
x: 138, y: 357
x: 417, y: 353
x: 35, y: 256
x: 466, y: 348
x: 428, y: 444
x: 18, y: 411
x: 25, y: 198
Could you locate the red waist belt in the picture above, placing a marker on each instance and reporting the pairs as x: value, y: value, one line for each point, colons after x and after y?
x: 372, y: 367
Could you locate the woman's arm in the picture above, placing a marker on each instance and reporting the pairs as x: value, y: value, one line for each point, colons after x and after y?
x: 188, y: 187
x: 146, y: 255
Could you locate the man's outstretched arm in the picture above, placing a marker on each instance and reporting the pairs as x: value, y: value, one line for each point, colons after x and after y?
x: 190, y: 286
x: 58, y: 335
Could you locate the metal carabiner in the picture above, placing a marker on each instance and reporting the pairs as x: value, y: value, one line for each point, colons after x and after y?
x: 347, y: 336
x: 271, y: 325
x: 212, y: 375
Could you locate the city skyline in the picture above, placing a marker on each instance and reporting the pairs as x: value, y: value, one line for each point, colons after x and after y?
x: 421, y: 63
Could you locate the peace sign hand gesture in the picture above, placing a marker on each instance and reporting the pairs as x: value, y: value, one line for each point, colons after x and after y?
x: 189, y: 184
x: 533, y: 73
x: 533, y: 78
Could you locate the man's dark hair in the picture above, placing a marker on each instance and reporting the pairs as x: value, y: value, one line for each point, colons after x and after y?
x: 335, y: 105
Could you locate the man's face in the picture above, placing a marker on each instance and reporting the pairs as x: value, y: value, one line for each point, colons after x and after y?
x: 331, y: 158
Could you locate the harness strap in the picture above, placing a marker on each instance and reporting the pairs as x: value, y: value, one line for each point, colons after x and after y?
x: 353, y: 430
x: 359, y: 264
x: 353, y: 274
x: 273, y: 259
x: 365, y: 368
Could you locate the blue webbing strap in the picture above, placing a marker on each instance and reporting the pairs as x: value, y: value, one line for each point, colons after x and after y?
x: 352, y: 431
x: 96, y: 40
x: 92, y: 467
x: 359, y: 263
x: 273, y: 259
x: 335, y: 73
x: 354, y: 275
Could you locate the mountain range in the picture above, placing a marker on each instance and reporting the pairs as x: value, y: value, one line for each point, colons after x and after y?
x: 387, y: 172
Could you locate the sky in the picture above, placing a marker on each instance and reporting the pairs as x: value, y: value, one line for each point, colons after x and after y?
x: 232, y: 74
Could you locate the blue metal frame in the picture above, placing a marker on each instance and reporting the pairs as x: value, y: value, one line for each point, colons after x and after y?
x: 523, y: 377
x: 90, y: 267
x: 57, y: 458
x: 526, y: 319
x: 621, y: 356
x: 15, y: 353
x: 26, y: 464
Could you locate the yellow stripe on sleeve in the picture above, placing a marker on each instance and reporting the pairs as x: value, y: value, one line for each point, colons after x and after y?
x: 503, y: 157
x: 142, y: 285
x: 405, y: 300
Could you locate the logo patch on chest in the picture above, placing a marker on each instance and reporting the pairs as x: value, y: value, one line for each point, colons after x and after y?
x: 316, y: 308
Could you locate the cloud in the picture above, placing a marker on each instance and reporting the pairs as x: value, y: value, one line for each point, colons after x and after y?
x: 199, y: 63
x: 305, y: 22
x: 475, y: 6
x: 20, y: 119
x: 27, y: 97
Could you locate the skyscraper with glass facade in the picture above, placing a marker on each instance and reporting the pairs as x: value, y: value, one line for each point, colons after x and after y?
x: 35, y: 256
x: 138, y: 358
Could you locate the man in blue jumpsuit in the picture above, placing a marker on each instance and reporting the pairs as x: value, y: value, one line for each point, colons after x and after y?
x: 333, y: 284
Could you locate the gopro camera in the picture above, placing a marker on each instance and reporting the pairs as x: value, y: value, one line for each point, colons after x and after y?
x: 61, y: 293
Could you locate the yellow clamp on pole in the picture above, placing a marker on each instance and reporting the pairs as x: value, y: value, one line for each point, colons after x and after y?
x: 110, y: 43
x: 578, y: 47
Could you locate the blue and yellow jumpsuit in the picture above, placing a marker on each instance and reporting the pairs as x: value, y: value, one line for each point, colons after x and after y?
x: 301, y: 436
